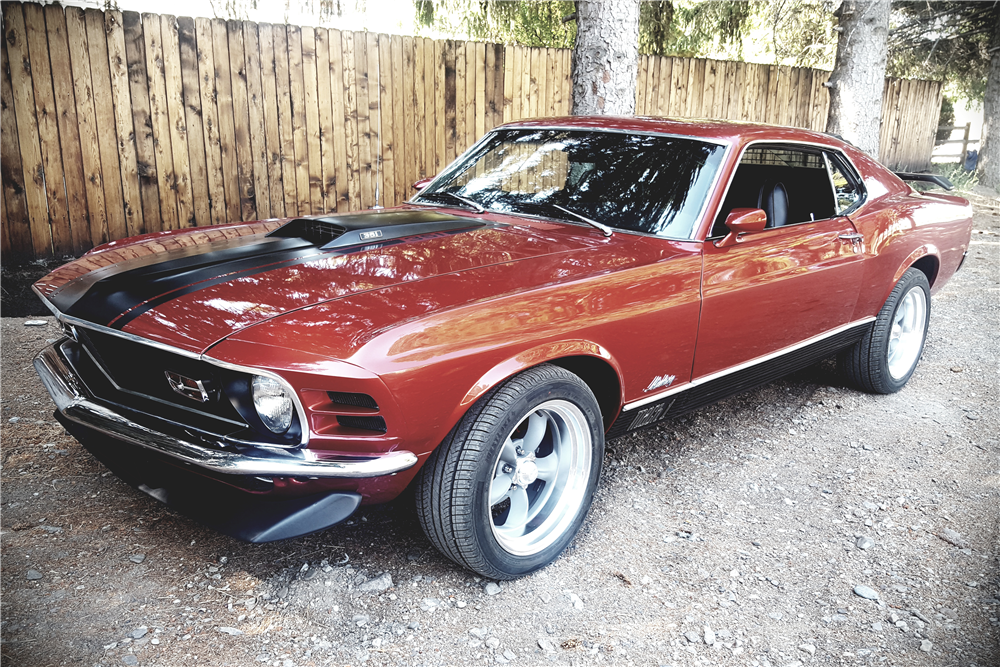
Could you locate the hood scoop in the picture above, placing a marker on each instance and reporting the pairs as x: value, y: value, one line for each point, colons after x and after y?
x: 343, y: 231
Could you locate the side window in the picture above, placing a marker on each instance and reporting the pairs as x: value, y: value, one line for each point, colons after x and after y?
x: 847, y: 189
x: 791, y: 184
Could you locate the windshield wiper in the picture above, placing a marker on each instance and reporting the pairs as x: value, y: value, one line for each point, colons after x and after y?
x: 474, y: 205
x: 608, y: 231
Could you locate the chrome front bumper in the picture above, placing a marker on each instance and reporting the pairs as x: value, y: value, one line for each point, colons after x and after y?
x: 74, y: 402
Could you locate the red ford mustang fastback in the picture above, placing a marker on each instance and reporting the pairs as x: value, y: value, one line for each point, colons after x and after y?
x: 563, y: 282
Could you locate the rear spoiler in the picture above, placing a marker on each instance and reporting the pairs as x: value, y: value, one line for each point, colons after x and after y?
x: 926, y: 178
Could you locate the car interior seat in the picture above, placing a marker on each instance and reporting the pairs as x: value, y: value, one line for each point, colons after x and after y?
x: 773, y: 198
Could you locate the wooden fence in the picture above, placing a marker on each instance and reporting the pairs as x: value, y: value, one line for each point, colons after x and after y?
x: 116, y: 124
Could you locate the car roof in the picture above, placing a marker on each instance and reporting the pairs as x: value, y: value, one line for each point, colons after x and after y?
x: 721, y: 131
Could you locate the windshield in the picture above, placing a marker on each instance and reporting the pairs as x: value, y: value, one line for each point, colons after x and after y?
x: 636, y: 182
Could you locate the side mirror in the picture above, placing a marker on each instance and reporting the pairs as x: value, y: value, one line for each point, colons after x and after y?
x: 742, y: 221
x: 422, y: 183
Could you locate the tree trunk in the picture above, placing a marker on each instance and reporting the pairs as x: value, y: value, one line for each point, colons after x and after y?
x: 605, y: 57
x: 858, y: 76
x: 989, y: 148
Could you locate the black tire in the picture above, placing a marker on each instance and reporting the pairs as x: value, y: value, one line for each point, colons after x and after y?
x: 883, y: 361
x: 553, y: 484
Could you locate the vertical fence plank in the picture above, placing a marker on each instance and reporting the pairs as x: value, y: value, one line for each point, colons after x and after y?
x: 469, y: 94
x: 324, y: 98
x: 398, y: 120
x: 450, y: 101
x: 340, y: 136
x: 410, y: 112
x: 439, y: 119
x: 429, y: 118
x: 374, y: 115
x: 177, y: 116
x: 310, y: 103
x: 508, y: 84
x: 272, y: 135
x: 32, y: 166
x: 241, y: 121
x: 191, y: 95
x: 461, y: 83
x: 227, y: 119
x: 105, y: 117
x: 351, y: 121
x: 255, y: 107
x: 215, y: 183
x: 48, y: 130
x: 145, y: 139
x: 386, y: 85
x: 362, y: 77
x: 122, y: 100
x: 159, y: 122
x: 282, y: 79
x: 17, y: 227
x: 69, y: 129
x: 480, y: 91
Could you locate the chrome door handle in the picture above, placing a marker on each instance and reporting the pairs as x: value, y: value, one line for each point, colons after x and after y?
x: 853, y: 238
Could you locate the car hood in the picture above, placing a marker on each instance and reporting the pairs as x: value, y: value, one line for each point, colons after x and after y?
x: 194, y: 288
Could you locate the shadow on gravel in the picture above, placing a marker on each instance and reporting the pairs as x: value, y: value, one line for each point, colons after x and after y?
x: 16, y: 278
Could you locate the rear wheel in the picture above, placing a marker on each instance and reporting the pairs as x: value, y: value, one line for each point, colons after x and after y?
x: 510, y: 486
x: 886, y: 357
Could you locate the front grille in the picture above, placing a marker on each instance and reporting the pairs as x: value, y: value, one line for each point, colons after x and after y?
x: 133, y: 371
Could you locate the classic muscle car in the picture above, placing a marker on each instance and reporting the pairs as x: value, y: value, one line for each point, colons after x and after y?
x: 564, y: 282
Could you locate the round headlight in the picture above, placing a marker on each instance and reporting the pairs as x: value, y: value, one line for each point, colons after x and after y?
x: 273, y: 404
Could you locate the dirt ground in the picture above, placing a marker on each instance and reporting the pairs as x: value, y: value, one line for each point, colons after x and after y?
x: 734, y: 536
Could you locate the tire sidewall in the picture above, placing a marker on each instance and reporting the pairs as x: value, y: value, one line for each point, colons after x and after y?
x: 911, y: 280
x: 510, y: 566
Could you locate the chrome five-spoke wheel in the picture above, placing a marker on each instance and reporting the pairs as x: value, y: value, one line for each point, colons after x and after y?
x: 510, y: 486
x: 540, y: 478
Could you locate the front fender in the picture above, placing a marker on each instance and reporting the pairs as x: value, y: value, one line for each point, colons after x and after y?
x: 541, y: 354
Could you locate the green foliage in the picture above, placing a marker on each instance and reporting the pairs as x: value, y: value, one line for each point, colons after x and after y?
x: 946, y: 119
x: 520, y: 22
x: 947, y: 41
x: 954, y: 171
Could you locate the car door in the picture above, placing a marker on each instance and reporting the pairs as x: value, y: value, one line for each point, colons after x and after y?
x: 796, y: 280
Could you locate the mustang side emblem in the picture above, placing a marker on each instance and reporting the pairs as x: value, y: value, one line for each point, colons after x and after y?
x: 193, y: 389
x: 365, y: 236
x: 661, y: 381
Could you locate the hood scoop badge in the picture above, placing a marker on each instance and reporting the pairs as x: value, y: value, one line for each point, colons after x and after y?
x: 341, y: 231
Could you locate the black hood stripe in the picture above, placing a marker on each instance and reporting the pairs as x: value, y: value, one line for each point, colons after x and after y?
x: 116, y: 295
x: 109, y: 297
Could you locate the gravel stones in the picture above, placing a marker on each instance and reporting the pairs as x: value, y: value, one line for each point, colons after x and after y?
x: 34, y: 575
x: 139, y: 633
x: 709, y: 636
x: 865, y: 543
x: 866, y: 592
x: 35, y: 323
x: 137, y: 558
x: 926, y: 645
x: 807, y: 648
x: 130, y: 660
x: 360, y: 620
x: 381, y: 583
x: 693, y: 636
x: 492, y: 588
x: 230, y: 631
x: 951, y: 537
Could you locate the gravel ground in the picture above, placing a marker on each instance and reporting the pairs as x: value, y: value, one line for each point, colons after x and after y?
x: 802, y: 523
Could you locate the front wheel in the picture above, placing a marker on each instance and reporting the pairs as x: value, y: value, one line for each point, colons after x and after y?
x: 886, y: 357
x: 510, y: 486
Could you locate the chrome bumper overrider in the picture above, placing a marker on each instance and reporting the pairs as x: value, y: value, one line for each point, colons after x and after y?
x: 75, y: 404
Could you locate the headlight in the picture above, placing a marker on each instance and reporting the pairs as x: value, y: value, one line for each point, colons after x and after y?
x: 272, y: 402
